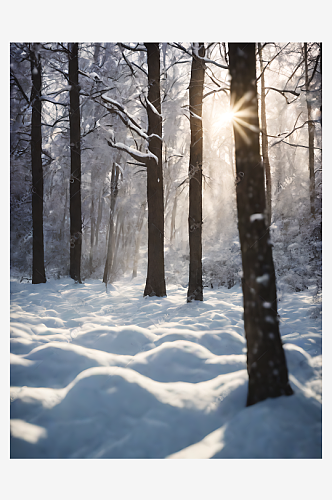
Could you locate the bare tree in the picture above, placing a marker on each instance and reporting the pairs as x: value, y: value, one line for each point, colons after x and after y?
x: 266, y: 363
x: 155, y: 281
x: 38, y: 267
x: 75, y: 178
x: 195, y: 288
x: 311, y: 134
x: 152, y: 159
x: 265, y: 142
x: 110, y: 246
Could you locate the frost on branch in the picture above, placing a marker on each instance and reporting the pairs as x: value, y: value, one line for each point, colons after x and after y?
x: 153, y: 108
x: 134, y: 153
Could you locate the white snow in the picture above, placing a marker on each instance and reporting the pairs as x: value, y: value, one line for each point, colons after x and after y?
x: 135, y: 152
x: 98, y: 374
x: 95, y: 76
x: 153, y: 108
x: 254, y: 217
x: 263, y: 280
x: 195, y: 116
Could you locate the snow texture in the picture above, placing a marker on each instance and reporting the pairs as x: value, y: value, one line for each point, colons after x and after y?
x: 110, y: 374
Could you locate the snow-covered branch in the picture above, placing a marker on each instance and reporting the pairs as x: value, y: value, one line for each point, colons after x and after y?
x: 137, y: 47
x: 205, y: 59
x: 282, y: 139
x: 121, y: 108
x: 195, y: 116
x: 126, y: 118
x: 153, y: 109
x: 194, y: 53
x: 283, y: 92
x: 134, y: 153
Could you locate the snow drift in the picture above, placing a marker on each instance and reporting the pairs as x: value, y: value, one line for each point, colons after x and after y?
x: 110, y: 374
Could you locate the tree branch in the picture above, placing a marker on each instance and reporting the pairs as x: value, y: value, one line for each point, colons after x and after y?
x: 20, y: 87
x: 276, y: 55
x: 137, y: 48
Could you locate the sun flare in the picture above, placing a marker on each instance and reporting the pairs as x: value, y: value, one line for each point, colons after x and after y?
x: 226, y: 118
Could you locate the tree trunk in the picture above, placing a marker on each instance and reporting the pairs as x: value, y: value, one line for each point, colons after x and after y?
x: 311, y: 133
x: 75, y: 178
x: 110, y: 246
x: 155, y: 281
x: 265, y: 142
x: 92, y: 215
x: 266, y: 363
x: 195, y: 288
x: 38, y: 266
x: 92, y: 234
x: 118, y: 238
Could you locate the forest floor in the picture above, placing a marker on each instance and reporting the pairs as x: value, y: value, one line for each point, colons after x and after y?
x: 110, y: 374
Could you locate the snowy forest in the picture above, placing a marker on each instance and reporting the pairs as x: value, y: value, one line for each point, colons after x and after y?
x: 166, y: 250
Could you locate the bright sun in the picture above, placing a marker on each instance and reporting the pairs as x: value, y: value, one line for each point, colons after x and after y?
x: 227, y: 117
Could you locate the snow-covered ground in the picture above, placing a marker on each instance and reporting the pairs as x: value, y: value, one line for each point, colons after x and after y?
x: 110, y: 374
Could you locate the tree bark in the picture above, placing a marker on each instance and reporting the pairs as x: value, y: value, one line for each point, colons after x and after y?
x: 311, y: 134
x: 195, y: 288
x: 75, y: 178
x: 265, y: 142
x: 38, y: 266
x: 155, y: 281
x: 266, y: 363
x: 110, y: 246
x: 92, y: 234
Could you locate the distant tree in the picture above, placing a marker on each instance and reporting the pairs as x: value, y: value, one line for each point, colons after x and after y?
x: 266, y: 363
x: 265, y: 142
x: 195, y: 288
x: 110, y: 245
x: 155, y: 281
x: 311, y: 132
x: 38, y: 266
x: 151, y: 159
x: 75, y: 177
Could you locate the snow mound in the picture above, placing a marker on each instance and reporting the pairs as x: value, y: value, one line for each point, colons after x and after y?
x: 286, y: 427
x: 98, y: 374
x: 122, y: 340
x: 185, y: 361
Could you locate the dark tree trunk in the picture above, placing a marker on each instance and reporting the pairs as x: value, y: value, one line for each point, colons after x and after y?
x: 93, y: 237
x: 155, y: 281
x: 266, y: 363
x: 265, y: 142
x: 195, y: 288
x: 92, y: 234
x: 38, y: 267
x: 311, y: 134
x: 75, y: 178
x: 110, y: 246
